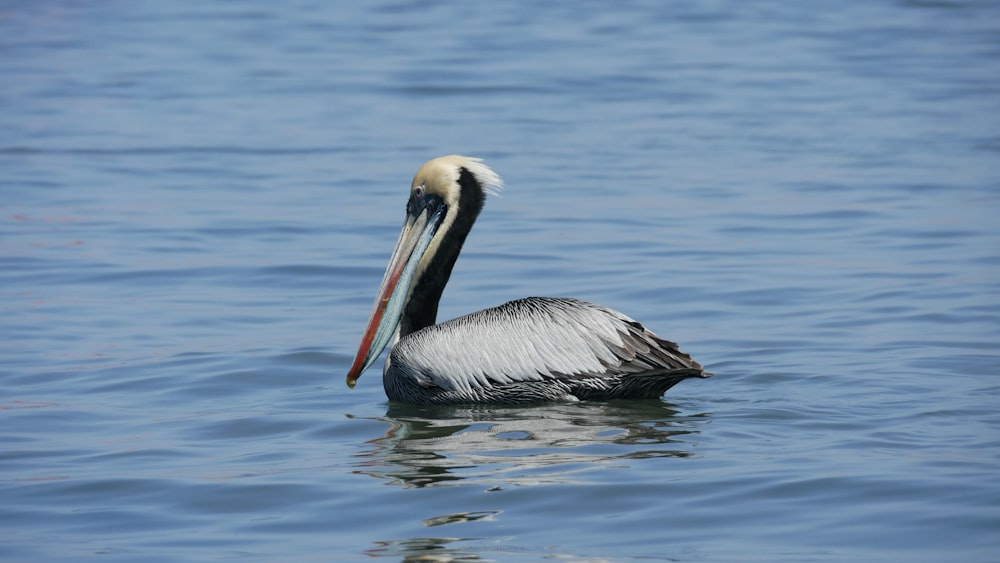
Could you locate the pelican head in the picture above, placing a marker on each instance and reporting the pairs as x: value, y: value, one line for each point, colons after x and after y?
x: 446, y: 196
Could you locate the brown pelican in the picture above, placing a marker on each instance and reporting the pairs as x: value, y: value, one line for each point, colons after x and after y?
x: 528, y: 350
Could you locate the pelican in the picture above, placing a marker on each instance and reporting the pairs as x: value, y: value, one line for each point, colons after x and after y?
x: 525, y: 351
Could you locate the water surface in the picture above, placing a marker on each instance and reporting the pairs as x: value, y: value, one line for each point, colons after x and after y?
x: 199, y: 198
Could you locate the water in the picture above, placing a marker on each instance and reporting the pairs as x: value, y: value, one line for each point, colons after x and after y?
x: 199, y: 198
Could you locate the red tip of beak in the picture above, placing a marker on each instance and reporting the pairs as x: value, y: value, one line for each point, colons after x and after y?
x: 369, y: 337
x: 366, y: 344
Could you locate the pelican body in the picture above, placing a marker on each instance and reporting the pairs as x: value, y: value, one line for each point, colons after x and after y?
x: 525, y: 351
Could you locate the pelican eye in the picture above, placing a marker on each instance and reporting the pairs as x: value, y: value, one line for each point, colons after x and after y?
x: 416, y: 202
x: 420, y: 200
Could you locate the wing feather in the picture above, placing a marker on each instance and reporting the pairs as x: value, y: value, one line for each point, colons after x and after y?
x: 534, y: 339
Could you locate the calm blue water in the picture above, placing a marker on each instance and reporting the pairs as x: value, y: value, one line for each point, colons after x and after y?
x: 197, y: 201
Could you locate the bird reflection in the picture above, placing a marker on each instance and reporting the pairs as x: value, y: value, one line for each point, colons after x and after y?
x: 413, y: 550
x: 515, y: 446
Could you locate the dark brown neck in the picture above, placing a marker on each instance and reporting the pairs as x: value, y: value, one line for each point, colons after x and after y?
x: 421, y: 309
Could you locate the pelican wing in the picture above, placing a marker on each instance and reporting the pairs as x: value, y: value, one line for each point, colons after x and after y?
x: 534, y: 340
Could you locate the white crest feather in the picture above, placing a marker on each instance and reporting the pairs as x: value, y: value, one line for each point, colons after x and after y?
x: 491, y: 181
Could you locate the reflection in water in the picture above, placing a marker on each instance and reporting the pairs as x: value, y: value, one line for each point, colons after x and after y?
x: 426, y: 549
x: 498, y: 446
x: 508, y: 446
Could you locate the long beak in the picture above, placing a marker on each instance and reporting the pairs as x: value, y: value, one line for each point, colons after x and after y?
x: 395, y: 290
